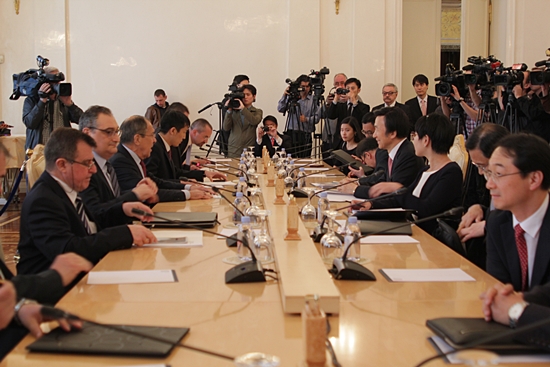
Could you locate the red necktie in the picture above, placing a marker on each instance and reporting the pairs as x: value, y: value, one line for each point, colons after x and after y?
x: 390, y: 164
x: 272, y: 141
x: 142, y: 164
x: 423, y: 107
x: 522, y: 252
x: 170, y: 154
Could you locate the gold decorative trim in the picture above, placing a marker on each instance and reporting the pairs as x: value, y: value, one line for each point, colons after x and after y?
x: 16, y: 6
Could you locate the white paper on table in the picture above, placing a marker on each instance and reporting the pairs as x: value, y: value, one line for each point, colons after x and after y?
x: 388, y: 239
x: 132, y: 276
x: 222, y: 168
x: 340, y: 198
x: 316, y: 169
x: 227, y: 232
x: 300, y: 164
x: 220, y: 159
x: 427, y: 275
x: 325, y: 185
x: 307, y: 160
x: 518, y: 358
x: 220, y: 183
x: 173, y: 238
x: 142, y: 365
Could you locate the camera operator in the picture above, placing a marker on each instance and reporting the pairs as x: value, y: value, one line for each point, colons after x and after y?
x: 329, y: 128
x: 531, y: 115
x: 223, y: 139
x: 241, y: 121
x: 302, y: 114
x: 469, y: 105
x: 269, y: 137
x: 45, y: 112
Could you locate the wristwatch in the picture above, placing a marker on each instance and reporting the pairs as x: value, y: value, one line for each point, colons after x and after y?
x: 22, y: 302
x: 515, y: 312
x: 460, y: 100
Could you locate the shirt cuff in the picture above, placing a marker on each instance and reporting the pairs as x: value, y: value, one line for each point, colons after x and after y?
x: 187, y: 194
x: 259, y: 141
x: 279, y: 140
x: 187, y: 187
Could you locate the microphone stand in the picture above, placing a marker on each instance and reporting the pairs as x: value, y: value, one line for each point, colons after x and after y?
x: 344, y: 269
x: 247, y: 272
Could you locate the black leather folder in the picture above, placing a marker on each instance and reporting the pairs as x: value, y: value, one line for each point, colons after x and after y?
x: 372, y: 226
x: 344, y: 158
x: 198, y: 219
x: 393, y: 215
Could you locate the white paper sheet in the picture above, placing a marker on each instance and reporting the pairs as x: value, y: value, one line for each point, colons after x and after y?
x: 324, y: 185
x: 340, y: 198
x: 536, y: 358
x: 220, y: 183
x: 428, y: 275
x: 316, y: 169
x: 177, y: 238
x: 306, y: 160
x: 388, y: 239
x: 220, y: 159
x: 131, y: 277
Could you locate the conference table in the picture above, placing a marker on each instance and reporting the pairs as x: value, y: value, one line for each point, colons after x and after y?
x: 373, y: 323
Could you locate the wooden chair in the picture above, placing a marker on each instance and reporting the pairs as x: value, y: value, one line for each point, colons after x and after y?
x: 459, y: 154
x: 35, y: 165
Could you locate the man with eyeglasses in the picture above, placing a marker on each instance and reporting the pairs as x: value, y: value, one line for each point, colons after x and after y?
x: 389, y: 96
x: 367, y: 125
x: 518, y: 232
x: 99, y: 123
x: 54, y: 220
x: 471, y: 230
x: 137, y: 138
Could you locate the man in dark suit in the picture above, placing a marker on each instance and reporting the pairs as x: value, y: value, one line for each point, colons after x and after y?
x: 345, y: 105
x: 396, y: 160
x: 199, y: 133
x: 389, y: 95
x: 422, y: 104
x: 54, y: 220
x: 518, y: 232
x: 503, y: 305
x: 271, y: 139
x: 99, y: 123
x: 136, y: 141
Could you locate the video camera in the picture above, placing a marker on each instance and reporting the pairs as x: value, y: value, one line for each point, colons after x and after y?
x: 482, y: 70
x: 317, y: 81
x: 451, y: 77
x: 29, y: 82
x: 541, y: 77
x: 294, y: 89
x: 509, y: 76
x: 234, y: 96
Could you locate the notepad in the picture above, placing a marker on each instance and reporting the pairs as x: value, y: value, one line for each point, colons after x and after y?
x: 380, y: 239
x: 219, y: 159
x: 132, y: 276
x: 426, y: 275
x: 340, y: 197
x: 177, y: 238
x: 316, y: 169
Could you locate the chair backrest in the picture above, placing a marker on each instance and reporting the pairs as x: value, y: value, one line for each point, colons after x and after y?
x: 35, y: 165
x: 459, y: 154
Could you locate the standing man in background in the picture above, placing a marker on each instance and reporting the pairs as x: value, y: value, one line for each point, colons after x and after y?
x: 155, y: 112
x: 422, y: 104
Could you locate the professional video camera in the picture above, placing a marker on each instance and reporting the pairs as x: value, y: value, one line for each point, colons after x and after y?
x: 294, y: 89
x: 234, y: 96
x: 29, y: 82
x: 509, y: 76
x: 317, y: 80
x: 482, y: 70
x: 541, y: 77
x: 451, y: 77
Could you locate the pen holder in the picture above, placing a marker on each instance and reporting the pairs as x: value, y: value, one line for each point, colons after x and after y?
x: 270, y: 175
x: 292, y: 220
x: 279, y: 191
x: 314, y: 326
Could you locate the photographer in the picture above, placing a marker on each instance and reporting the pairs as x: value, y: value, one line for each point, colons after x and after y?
x: 241, y: 121
x: 468, y: 106
x: 45, y: 112
x: 302, y: 114
x: 238, y: 82
x: 345, y: 105
x: 269, y: 137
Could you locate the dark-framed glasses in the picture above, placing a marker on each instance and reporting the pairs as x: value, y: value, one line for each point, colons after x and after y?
x: 495, y: 176
x: 87, y: 164
x: 109, y: 132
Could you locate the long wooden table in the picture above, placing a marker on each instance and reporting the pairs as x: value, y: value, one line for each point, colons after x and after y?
x: 379, y: 323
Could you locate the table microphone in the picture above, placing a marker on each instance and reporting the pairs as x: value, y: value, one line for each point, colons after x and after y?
x: 247, y: 272
x: 377, y: 173
x: 309, y: 164
x: 57, y: 313
x: 238, y: 169
x: 344, y: 269
x: 299, y: 193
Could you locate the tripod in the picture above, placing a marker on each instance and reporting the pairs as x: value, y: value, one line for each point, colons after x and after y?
x: 218, y: 137
x: 299, y: 133
x: 510, y: 112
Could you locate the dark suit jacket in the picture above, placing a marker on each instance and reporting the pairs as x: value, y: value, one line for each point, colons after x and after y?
x: 159, y: 163
x: 340, y: 111
x: 405, y: 168
x: 266, y: 141
x: 129, y: 174
x: 442, y: 191
x: 179, y: 156
x: 99, y: 197
x: 538, y: 309
x: 51, y: 226
x: 502, y: 255
x: 414, y: 107
x: 405, y: 109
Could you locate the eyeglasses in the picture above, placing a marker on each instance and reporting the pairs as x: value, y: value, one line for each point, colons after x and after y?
x: 109, y: 132
x: 388, y: 93
x: 482, y: 167
x: 488, y: 174
x: 367, y: 132
x: 149, y: 135
x: 87, y: 164
x: 413, y: 134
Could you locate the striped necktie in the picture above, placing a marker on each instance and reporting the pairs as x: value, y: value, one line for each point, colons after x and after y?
x: 522, y: 253
x: 113, y: 179
x: 82, y: 215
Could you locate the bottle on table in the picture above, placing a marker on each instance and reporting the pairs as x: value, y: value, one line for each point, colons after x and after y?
x: 322, y: 205
x: 352, y: 233
x: 242, y: 204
